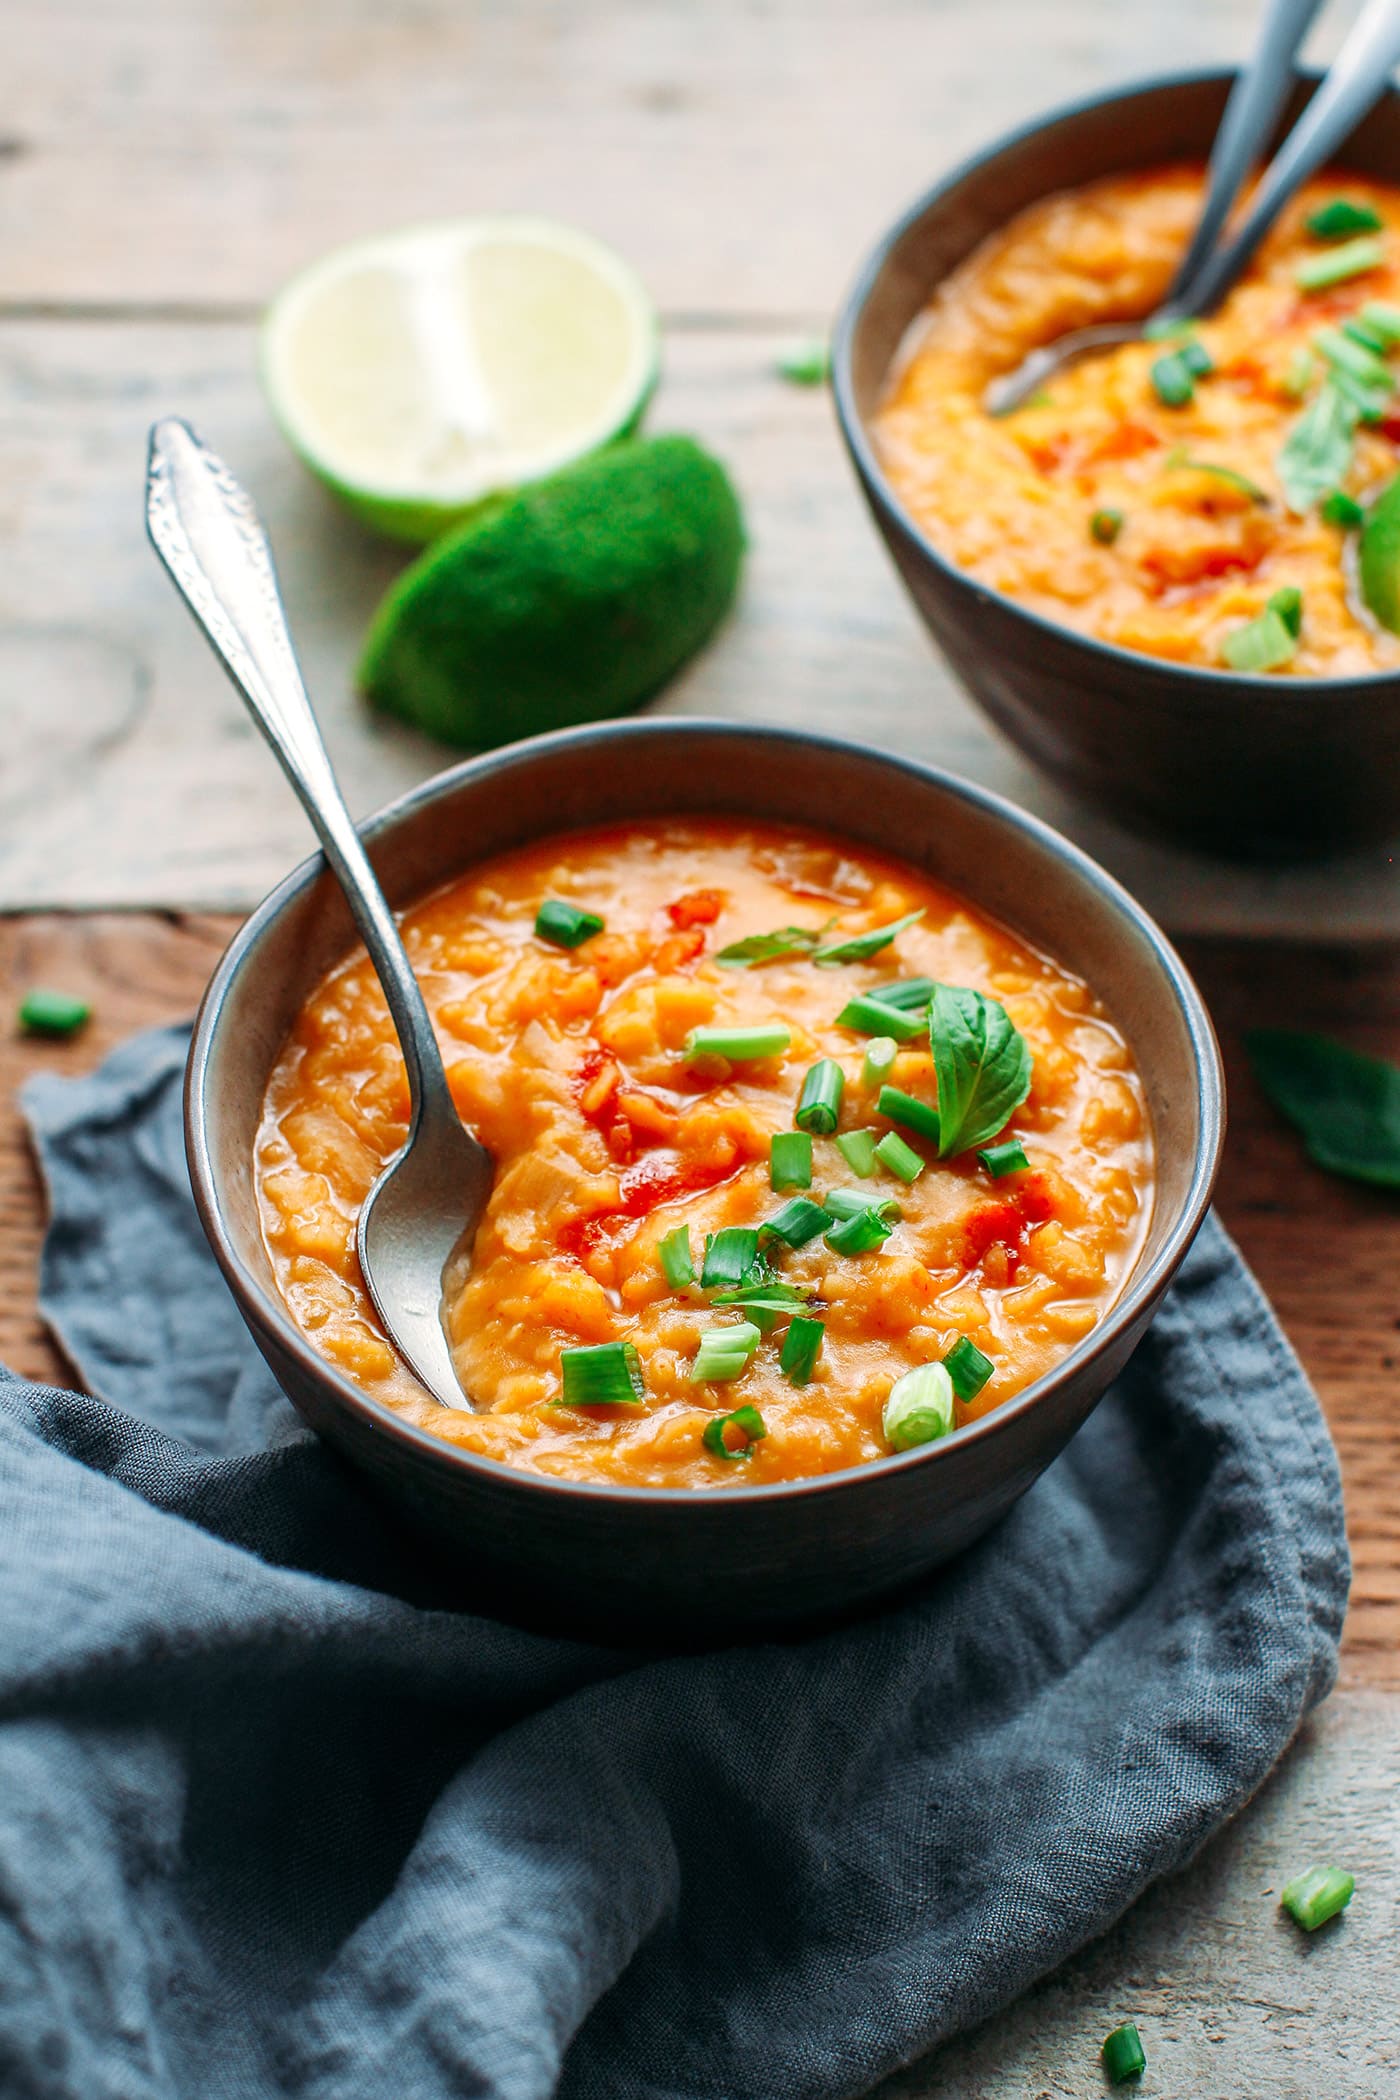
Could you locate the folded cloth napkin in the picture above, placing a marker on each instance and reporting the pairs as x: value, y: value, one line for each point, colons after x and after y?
x: 275, y: 1820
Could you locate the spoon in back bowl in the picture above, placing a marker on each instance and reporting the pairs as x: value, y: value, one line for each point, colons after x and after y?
x: 426, y: 1204
x: 1353, y: 82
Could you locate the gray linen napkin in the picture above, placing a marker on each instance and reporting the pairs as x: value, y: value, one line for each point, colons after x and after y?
x: 275, y: 1821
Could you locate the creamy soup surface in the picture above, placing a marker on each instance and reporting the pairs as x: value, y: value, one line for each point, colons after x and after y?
x: 571, y: 1065
x: 1162, y: 527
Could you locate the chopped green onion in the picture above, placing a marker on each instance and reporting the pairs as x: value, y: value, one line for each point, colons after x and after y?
x: 796, y: 1223
x: 605, y: 1374
x: 677, y: 1261
x: 1007, y: 1158
x: 1288, y: 604
x: 862, y: 946
x: 1299, y: 372
x: 901, y: 1159
x: 819, y: 1104
x: 903, y: 1108
x: 968, y: 1368
x: 564, y: 925
x: 750, y: 1425
x: 801, y: 1347
x: 1317, y: 1895
x: 1382, y: 320
x: 1179, y: 457
x: 911, y: 993
x: 880, y: 1054
x: 809, y: 363
x: 790, y: 1160
x: 1371, y: 339
x: 859, y: 1234
x: 738, y: 1045
x: 1342, y: 509
x: 1262, y: 644
x: 729, y: 1256
x: 1340, y: 218
x: 777, y: 1298
x: 1172, y: 381
x: 53, y: 1013
x: 849, y: 1203
x: 1123, y: 2054
x: 1371, y: 403
x: 724, y: 1353
x: 1353, y: 259
x: 770, y: 947
x: 866, y: 1015
x: 857, y: 1148
x: 919, y: 1409
x: 1196, y: 358
x: 1105, y: 526
x: 1361, y: 364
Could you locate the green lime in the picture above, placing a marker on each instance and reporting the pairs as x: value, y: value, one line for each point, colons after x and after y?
x: 574, y: 599
x: 1380, y: 557
x: 422, y: 372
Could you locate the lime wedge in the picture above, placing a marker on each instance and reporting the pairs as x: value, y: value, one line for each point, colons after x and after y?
x: 1380, y: 556
x: 422, y: 372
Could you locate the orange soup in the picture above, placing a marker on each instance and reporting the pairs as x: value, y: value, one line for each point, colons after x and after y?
x: 655, y: 1187
x: 1164, y: 508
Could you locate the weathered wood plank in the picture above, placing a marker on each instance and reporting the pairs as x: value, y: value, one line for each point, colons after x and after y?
x: 133, y: 777
x: 1228, y: 1996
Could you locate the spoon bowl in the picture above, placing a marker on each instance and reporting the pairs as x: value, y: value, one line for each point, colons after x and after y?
x: 411, y: 1227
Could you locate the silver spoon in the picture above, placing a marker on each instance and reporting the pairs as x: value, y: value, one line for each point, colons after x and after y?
x: 429, y: 1198
x: 1353, y: 82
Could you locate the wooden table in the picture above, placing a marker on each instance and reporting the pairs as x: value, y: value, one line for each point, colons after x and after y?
x: 162, y: 167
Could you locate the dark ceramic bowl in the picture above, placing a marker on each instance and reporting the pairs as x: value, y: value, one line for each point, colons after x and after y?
x: 1276, y: 768
x: 636, y: 1562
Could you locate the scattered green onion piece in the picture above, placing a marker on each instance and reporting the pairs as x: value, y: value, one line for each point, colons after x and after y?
x: 738, y: 1045
x: 790, y: 1160
x: 724, y: 1353
x: 1196, y: 358
x: 1371, y: 403
x: 1299, y: 372
x: 1105, y: 526
x: 747, y: 1420
x: 1382, y: 320
x: 605, y: 1374
x: 880, y: 1054
x: 1123, y: 2054
x: 1344, y: 510
x: 857, y: 1148
x: 809, y: 363
x: 774, y: 1298
x: 53, y: 1013
x: 1361, y: 364
x: 919, y: 1409
x: 1353, y: 259
x: 911, y: 993
x: 1261, y: 644
x: 564, y: 925
x: 801, y: 1347
x: 1369, y: 338
x: 796, y: 1223
x: 1180, y: 457
x: 859, y: 1234
x: 867, y: 1015
x: 903, y: 1108
x: 1172, y: 381
x: 729, y: 1256
x: 1317, y: 1895
x: 901, y: 1159
x: 968, y: 1368
x: 1167, y: 328
x: 862, y: 946
x: 849, y: 1203
x: 1341, y: 218
x: 1007, y: 1158
x: 1288, y: 604
x: 819, y: 1104
x: 677, y: 1262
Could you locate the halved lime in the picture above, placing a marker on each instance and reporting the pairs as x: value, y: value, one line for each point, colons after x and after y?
x: 1379, y: 556
x: 421, y: 373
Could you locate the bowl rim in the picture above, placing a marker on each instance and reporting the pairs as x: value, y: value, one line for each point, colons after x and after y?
x: 270, y: 1318
x: 1209, y: 681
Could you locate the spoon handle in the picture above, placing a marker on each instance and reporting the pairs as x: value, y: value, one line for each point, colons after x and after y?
x: 1352, y: 84
x: 207, y: 532
x: 1245, y: 130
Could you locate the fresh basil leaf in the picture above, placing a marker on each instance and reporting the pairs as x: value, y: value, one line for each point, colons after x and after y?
x: 1180, y: 458
x: 983, y: 1067
x: 768, y: 947
x: 1347, y: 1106
x: 862, y: 946
x: 1316, y: 454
